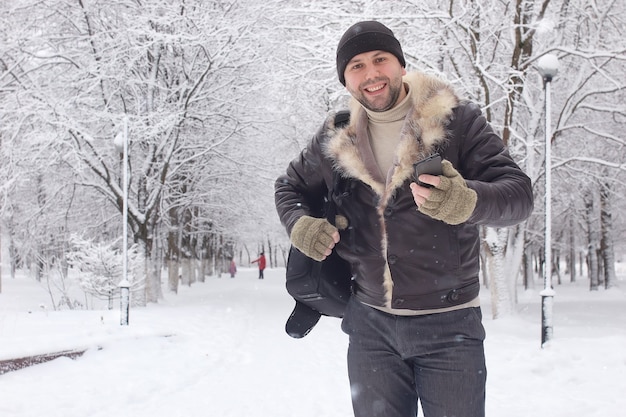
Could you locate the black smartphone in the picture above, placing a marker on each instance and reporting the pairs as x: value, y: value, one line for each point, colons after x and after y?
x: 430, y: 165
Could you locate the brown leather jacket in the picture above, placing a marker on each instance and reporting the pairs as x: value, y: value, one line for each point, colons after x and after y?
x: 401, y: 258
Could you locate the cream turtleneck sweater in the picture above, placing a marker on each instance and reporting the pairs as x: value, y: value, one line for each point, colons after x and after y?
x: 384, y: 130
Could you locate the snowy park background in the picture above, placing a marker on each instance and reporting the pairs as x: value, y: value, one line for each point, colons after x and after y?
x: 218, y: 348
x: 213, y: 98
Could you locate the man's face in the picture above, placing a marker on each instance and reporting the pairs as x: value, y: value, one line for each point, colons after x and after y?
x: 375, y: 80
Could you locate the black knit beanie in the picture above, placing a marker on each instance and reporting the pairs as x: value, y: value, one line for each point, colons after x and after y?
x: 364, y: 37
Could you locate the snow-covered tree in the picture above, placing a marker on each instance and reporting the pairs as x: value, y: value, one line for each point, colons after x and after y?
x: 99, y: 268
x: 219, y: 95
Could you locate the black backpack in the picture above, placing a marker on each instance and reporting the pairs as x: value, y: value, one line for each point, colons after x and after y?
x: 319, y: 288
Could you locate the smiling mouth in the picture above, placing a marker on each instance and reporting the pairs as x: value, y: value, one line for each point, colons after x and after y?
x: 375, y: 88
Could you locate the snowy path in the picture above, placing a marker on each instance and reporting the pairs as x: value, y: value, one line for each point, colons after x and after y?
x: 216, y: 349
x: 219, y: 349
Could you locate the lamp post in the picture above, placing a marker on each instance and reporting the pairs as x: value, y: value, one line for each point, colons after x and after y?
x: 121, y: 145
x: 548, y: 66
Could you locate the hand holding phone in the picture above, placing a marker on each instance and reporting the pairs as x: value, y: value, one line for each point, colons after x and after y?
x: 430, y: 165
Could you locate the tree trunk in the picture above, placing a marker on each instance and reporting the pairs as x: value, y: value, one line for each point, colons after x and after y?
x: 483, y: 261
x: 494, y: 245
x: 538, y: 254
x: 152, y: 278
x: 572, y: 251
x: 592, y: 253
x: 607, y: 249
x: 593, y: 270
x: 186, y: 271
x: 206, y: 267
x: 529, y: 278
x: 199, y: 264
x: 172, y: 276
x: 581, y: 262
x: 556, y: 263
x: 156, y: 264
x: 172, y: 256
x: 139, y: 276
x: 270, y: 255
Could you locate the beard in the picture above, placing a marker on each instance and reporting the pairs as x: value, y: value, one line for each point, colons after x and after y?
x: 384, y: 102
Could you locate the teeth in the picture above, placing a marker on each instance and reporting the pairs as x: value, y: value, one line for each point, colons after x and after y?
x: 371, y: 90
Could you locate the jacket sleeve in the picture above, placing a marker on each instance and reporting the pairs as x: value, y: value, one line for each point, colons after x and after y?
x: 302, y: 189
x: 504, y: 191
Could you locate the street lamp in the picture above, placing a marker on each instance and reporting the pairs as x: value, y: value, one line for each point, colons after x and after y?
x: 548, y: 66
x: 121, y: 145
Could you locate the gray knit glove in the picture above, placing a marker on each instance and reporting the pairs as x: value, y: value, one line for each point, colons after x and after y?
x: 312, y: 236
x: 451, y: 201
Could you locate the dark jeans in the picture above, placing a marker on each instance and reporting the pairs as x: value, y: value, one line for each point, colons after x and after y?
x: 395, y: 360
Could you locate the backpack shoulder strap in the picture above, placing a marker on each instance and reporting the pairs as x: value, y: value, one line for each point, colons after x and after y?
x: 342, y: 118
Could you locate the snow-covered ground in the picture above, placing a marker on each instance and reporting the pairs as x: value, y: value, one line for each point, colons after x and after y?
x: 219, y: 349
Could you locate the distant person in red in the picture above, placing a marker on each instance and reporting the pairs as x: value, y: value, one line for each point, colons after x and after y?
x: 261, y: 261
x: 232, y: 268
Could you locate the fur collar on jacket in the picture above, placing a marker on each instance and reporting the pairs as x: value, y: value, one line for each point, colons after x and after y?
x: 424, y: 129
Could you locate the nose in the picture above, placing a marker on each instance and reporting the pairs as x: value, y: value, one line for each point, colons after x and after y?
x: 371, y: 72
